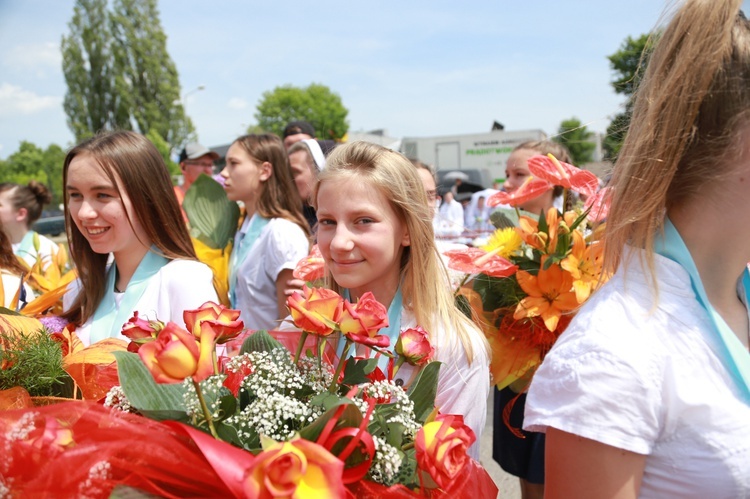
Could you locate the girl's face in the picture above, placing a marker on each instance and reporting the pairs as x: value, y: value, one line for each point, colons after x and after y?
x: 244, y: 176
x: 360, y: 237
x: 517, y: 172
x: 100, y: 213
x: 9, y: 216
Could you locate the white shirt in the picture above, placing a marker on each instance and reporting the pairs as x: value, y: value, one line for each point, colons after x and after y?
x: 47, y: 248
x: 644, y: 378
x: 450, y: 218
x: 280, y: 245
x: 178, y: 286
x: 10, y: 284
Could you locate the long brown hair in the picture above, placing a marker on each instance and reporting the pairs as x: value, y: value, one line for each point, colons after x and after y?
x: 131, y: 161
x: 279, y: 197
x: 9, y: 261
x: 688, y: 112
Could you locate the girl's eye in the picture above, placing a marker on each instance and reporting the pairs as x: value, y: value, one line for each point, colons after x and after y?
x: 74, y: 195
x: 365, y: 220
x: 102, y: 195
x: 326, y: 222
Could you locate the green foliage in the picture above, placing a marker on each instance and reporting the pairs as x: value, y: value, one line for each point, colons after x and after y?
x: 119, y: 74
x: 628, y: 64
x: 34, y: 362
x: 576, y: 138
x: 424, y: 390
x: 213, y: 217
x: 143, y: 392
x: 31, y: 162
x: 316, y: 104
x: 164, y: 149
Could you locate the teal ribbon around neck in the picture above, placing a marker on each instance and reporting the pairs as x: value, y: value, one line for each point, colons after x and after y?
x: 393, y: 331
x: 730, y: 348
x: 240, y: 251
x: 27, y: 245
x: 109, y: 318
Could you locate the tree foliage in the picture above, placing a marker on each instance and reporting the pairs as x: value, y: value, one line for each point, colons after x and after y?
x: 31, y: 162
x: 119, y: 73
x: 628, y: 64
x: 576, y: 138
x: 316, y: 104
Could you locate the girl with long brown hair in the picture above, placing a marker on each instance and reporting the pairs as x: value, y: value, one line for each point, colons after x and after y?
x: 647, y: 392
x: 20, y: 207
x: 274, y: 235
x: 119, y: 205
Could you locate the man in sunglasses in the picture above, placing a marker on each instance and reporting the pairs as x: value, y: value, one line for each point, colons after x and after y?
x: 194, y: 160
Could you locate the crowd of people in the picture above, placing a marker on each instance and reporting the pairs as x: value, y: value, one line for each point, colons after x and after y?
x: 646, y: 393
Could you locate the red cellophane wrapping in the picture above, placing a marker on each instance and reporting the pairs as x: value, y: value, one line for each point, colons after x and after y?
x: 77, y: 449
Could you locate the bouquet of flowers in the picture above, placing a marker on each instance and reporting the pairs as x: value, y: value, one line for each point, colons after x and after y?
x: 269, y: 422
x: 530, y: 279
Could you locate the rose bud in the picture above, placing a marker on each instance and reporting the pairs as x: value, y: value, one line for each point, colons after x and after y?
x: 175, y: 355
x: 414, y: 346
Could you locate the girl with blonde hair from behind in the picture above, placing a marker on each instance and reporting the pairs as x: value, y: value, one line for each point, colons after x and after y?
x: 375, y: 234
x: 647, y: 392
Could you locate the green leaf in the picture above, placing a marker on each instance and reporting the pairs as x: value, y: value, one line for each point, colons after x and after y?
x: 355, y: 373
x: 180, y: 416
x: 142, y: 391
x: 213, y: 217
x: 462, y: 304
x: 7, y: 311
x: 260, y: 341
x: 424, y: 390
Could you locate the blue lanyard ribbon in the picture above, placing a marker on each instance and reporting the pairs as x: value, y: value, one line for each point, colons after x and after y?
x: 730, y: 348
x: 109, y: 318
x: 393, y: 331
x: 243, y: 243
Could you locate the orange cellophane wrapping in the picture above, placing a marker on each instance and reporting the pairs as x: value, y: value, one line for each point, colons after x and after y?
x: 55, y: 451
x: 94, y: 368
x: 15, y: 398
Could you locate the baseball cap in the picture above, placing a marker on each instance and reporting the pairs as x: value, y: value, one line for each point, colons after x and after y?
x: 295, y: 127
x: 195, y: 151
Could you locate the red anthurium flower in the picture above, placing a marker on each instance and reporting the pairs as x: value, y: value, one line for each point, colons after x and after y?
x: 477, y: 261
x: 598, y: 205
x: 312, y: 267
x: 568, y: 176
x: 532, y: 188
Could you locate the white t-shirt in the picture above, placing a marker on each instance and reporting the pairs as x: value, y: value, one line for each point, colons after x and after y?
x: 280, y: 245
x: 47, y: 248
x: 645, y: 378
x: 178, y: 286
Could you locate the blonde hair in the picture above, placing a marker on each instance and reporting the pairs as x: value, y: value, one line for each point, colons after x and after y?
x: 688, y: 110
x: 423, y: 276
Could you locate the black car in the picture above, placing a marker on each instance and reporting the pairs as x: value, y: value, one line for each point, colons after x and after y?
x: 50, y: 226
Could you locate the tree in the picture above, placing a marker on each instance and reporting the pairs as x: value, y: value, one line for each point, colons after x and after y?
x: 315, y: 104
x: 628, y: 63
x: 34, y: 163
x: 119, y: 74
x: 576, y: 137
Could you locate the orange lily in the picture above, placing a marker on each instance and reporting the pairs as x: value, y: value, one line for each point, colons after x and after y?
x: 528, y: 229
x: 568, y: 176
x: 550, y: 294
x: 585, y: 266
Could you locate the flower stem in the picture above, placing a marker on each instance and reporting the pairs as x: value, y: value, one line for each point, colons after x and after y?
x: 398, y: 365
x: 300, y: 346
x: 215, y: 360
x: 340, y: 366
x: 206, y: 412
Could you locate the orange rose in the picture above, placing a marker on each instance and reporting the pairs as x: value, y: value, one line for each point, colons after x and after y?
x: 315, y: 310
x: 175, y: 355
x: 361, y: 322
x: 224, y: 322
x: 441, y: 448
x: 414, y: 345
x: 295, y: 469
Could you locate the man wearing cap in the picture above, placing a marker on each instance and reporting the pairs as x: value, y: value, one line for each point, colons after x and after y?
x: 296, y: 131
x: 306, y: 160
x: 194, y: 160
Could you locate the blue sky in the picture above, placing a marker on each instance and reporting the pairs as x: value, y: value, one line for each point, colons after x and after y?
x: 417, y: 68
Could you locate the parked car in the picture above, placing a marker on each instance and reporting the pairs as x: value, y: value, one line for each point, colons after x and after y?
x: 50, y: 226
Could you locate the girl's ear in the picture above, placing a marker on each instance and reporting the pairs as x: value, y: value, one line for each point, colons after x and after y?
x: 21, y: 214
x: 266, y: 170
x: 406, y: 240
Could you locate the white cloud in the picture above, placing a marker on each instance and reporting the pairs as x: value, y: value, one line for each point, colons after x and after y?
x: 16, y: 100
x: 34, y: 55
x: 237, y: 103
